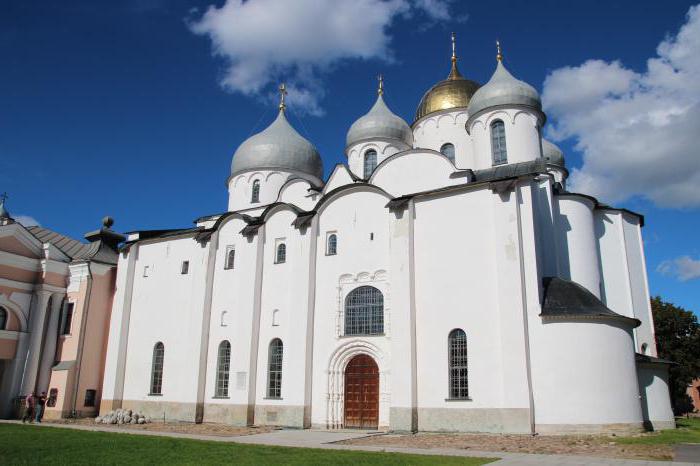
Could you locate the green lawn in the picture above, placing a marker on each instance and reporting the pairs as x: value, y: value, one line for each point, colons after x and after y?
x: 54, y: 445
x: 688, y: 431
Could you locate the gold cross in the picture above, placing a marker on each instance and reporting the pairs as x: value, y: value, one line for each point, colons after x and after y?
x: 499, y: 55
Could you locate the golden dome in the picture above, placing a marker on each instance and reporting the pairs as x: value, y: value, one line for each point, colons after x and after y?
x: 454, y: 92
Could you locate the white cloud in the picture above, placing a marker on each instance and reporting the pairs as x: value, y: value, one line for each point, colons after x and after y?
x: 26, y: 220
x: 684, y: 268
x: 265, y: 41
x: 637, y: 132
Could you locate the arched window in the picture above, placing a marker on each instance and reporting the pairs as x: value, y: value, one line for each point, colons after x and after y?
x: 281, y: 255
x: 332, y: 248
x: 274, y: 369
x: 448, y: 150
x: 157, y: 369
x: 457, y: 352
x: 370, y: 162
x: 3, y: 318
x: 364, y: 311
x: 255, y: 197
x: 223, y: 366
x: 498, y: 142
x: 230, y: 258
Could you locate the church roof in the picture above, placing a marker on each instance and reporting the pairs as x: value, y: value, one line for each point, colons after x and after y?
x: 504, y: 89
x: 380, y: 122
x: 70, y: 247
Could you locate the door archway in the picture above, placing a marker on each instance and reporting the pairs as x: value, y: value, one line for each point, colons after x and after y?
x: 361, y: 393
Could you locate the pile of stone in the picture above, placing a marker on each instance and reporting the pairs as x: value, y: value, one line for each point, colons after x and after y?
x: 123, y: 416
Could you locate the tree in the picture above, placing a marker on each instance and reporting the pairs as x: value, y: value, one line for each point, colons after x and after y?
x: 678, y: 340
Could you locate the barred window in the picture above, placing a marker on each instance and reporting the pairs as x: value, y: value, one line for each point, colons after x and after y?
x: 223, y: 366
x: 67, y: 318
x: 274, y: 369
x: 230, y: 258
x: 255, y: 196
x: 498, y: 142
x: 457, y: 349
x: 370, y: 162
x: 364, y: 311
x: 3, y: 318
x: 332, y: 249
x: 448, y: 150
x: 90, y: 395
x: 281, y: 255
x: 157, y: 369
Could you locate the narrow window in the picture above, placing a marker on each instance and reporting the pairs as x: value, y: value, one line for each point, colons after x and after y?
x: 332, y: 248
x: 644, y: 348
x: 281, y: 255
x: 255, y: 197
x: 275, y: 318
x: 457, y: 349
x: 53, y: 395
x: 274, y: 369
x: 230, y: 258
x: 3, y: 318
x: 157, y: 369
x: 223, y: 318
x: 364, y: 311
x: 370, y: 162
x: 90, y: 395
x: 223, y: 366
x: 145, y: 271
x: 448, y: 150
x: 185, y: 268
x: 498, y: 142
x: 67, y: 319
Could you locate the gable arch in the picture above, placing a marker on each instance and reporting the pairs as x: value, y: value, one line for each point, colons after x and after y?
x: 345, y: 190
x: 12, y: 308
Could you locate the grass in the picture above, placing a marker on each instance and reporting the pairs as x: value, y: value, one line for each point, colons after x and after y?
x: 54, y: 445
x: 687, y: 431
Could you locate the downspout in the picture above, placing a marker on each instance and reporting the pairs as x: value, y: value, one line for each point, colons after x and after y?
x: 81, y: 340
x: 412, y: 309
x: 523, y: 296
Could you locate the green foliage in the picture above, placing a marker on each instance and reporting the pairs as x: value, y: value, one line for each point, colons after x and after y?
x: 688, y: 431
x: 21, y: 444
x: 677, y: 339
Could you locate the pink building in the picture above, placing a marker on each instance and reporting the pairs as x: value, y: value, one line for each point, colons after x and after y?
x: 55, y: 303
x: 694, y: 394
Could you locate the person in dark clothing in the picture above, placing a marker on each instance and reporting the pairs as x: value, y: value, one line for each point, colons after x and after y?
x: 40, y: 404
x: 29, y: 402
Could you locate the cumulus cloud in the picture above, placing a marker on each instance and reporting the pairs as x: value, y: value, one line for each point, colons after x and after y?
x: 637, y: 131
x: 265, y: 41
x: 26, y: 220
x: 684, y: 268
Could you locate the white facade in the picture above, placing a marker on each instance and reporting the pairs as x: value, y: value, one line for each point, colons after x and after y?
x: 448, y: 245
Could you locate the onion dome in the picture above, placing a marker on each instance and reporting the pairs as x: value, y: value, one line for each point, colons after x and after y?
x: 504, y: 89
x: 278, y: 147
x: 552, y: 154
x: 380, y: 123
x: 454, y: 92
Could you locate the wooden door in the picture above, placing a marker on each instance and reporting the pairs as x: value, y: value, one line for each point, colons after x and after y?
x: 362, y: 393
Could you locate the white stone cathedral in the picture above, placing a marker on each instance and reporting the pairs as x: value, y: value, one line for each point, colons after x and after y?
x: 443, y: 280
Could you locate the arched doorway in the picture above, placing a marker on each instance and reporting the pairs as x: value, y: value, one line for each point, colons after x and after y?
x: 361, y: 393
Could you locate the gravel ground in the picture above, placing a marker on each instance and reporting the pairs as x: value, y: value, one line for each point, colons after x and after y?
x: 220, y: 430
x: 589, y: 445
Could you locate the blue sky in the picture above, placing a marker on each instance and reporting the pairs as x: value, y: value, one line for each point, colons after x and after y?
x: 122, y: 108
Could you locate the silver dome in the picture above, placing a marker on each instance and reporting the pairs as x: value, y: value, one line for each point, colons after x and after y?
x: 380, y: 122
x: 552, y: 154
x: 504, y: 89
x: 278, y: 146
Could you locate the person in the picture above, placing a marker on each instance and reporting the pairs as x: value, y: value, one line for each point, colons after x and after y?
x: 40, y: 404
x: 28, y: 408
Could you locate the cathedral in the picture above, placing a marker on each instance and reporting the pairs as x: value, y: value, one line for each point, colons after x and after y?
x: 444, y: 279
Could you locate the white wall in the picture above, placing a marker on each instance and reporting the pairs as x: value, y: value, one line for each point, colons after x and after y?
x: 384, y: 148
x: 523, y: 140
x: 415, y: 171
x: 442, y: 127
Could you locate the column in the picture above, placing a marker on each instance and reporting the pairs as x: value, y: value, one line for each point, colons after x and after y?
x: 37, y: 318
x: 49, y: 355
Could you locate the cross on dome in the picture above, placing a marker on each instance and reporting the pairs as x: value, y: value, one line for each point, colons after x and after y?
x: 499, y: 55
x: 380, y: 90
x: 283, y: 92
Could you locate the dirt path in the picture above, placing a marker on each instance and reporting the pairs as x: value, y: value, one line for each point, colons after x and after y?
x: 178, y: 427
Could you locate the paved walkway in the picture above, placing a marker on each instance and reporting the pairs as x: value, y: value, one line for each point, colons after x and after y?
x: 326, y: 440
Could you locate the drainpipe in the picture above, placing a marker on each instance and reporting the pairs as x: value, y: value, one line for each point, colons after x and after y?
x: 81, y: 340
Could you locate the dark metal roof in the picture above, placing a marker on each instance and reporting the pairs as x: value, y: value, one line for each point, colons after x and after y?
x: 643, y: 358
x: 72, y: 248
x: 511, y: 170
x: 568, y: 299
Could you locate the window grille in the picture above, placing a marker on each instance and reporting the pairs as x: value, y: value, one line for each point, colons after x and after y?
x: 332, y: 245
x: 370, y: 162
x: 223, y: 366
x: 230, y: 259
x: 498, y: 142
x: 90, y: 396
x: 458, y: 380
x: 274, y: 371
x: 281, y: 255
x: 3, y: 318
x: 364, y: 311
x: 157, y: 369
x: 67, y: 319
x: 255, y: 196
x: 448, y: 150
x: 184, y: 270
